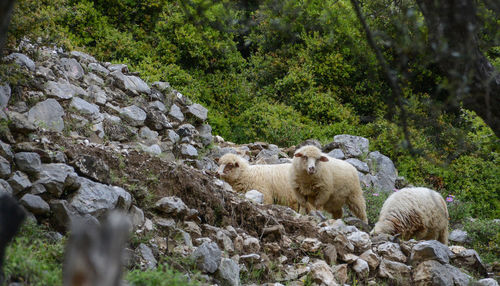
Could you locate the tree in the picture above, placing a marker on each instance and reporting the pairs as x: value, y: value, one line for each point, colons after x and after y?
x: 5, y: 12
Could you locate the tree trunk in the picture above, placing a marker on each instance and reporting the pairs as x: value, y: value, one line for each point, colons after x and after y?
x: 5, y: 11
x: 473, y: 81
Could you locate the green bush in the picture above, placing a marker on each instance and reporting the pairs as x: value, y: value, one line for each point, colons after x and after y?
x: 485, y: 237
x: 163, y: 275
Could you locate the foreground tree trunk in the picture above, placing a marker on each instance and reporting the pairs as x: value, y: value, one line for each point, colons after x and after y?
x: 453, y: 35
x: 5, y: 11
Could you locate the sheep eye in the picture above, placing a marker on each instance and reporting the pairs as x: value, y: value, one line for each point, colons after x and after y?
x: 304, y: 157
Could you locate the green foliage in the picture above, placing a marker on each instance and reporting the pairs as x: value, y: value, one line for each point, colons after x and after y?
x: 374, y: 201
x: 34, y: 259
x: 163, y: 275
x: 485, y: 237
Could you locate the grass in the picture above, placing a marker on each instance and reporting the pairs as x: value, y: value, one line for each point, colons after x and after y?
x: 163, y: 275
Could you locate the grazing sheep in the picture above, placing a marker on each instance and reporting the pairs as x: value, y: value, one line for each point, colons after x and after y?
x: 414, y: 212
x: 326, y: 182
x: 273, y: 181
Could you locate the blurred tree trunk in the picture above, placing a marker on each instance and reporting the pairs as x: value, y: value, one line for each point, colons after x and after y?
x: 453, y: 36
x: 5, y: 11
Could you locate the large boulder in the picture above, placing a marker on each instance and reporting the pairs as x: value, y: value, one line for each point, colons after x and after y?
x: 47, y: 114
x: 56, y: 178
x: 207, y: 257
x: 28, y: 162
x: 383, y: 169
x: 431, y: 272
x: 134, y: 115
x: 429, y: 250
x: 63, y: 90
x: 131, y: 84
x: 72, y: 68
x: 22, y: 60
x: 352, y: 146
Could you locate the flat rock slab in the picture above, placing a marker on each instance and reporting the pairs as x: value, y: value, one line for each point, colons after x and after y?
x: 63, y: 90
x: 22, y: 60
x: 47, y: 114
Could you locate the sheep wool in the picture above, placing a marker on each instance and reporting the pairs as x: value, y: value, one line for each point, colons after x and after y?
x: 414, y: 212
x: 322, y: 182
x: 273, y: 181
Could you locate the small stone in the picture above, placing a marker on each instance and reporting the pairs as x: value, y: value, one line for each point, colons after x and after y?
x: 391, y: 251
x: 21, y: 60
x: 207, y: 257
x: 371, y: 258
x: 486, y: 282
x: 19, y: 182
x: 172, y: 206
x: 361, y: 267
x: 28, y: 162
x: 188, y: 151
x: 134, y: 115
x: 198, y: 111
x: 136, y: 217
x: 147, y: 256
x: 458, y: 236
x: 311, y: 245
x: 176, y: 113
x: 360, y: 240
x: 47, y: 114
x: 330, y: 254
x: 35, y: 204
x: 228, y: 273
x: 85, y: 108
x: 359, y: 165
x: 340, y: 273
x: 394, y: 270
x: 255, y: 196
x: 5, y: 169
x: 322, y: 274
x: 429, y: 250
x: 72, y: 68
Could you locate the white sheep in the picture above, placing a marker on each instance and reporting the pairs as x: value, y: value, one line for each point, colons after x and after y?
x: 414, y: 212
x: 273, y: 181
x: 322, y: 182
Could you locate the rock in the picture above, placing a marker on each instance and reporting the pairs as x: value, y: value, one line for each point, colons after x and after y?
x: 172, y: 205
x: 154, y: 149
x: 330, y: 254
x: 161, y: 86
x: 165, y: 223
x: 72, y: 68
x: 207, y: 257
x: 371, y: 258
x: 431, y: 272
x: 117, y: 67
x: 4, y: 168
x: 5, y: 188
x: 361, y: 267
x: 56, y: 177
x: 224, y: 241
x: 176, y: 113
x: 400, y: 183
x: 205, y: 132
x: 97, y: 68
x: 35, y: 204
x: 322, y: 274
x: 116, y: 131
x: 359, y: 165
x: 337, y: 154
x: 429, y: 250
x: 172, y: 136
x: 133, y: 115
x: 148, y: 134
x: 97, y: 95
x: 253, y: 195
x: 340, y: 273
x: 273, y: 233
x: 251, y: 244
x: 187, y: 130
x: 359, y: 224
x: 458, y: 236
x: 95, y: 198
x: 6, y: 151
x: 63, y: 90
x: 312, y: 142
x: 198, y: 112
x: 136, y: 217
x: 20, y: 122
x: 86, y: 108
x: 131, y: 84
x: 147, y: 256
x: 21, y: 60
x: 228, y: 273
x: 394, y: 270
x: 486, y: 282
x: 83, y: 57
x: 47, y: 114
x: 391, y: 251
x: 385, y: 172
x: 250, y: 259
x: 193, y: 229
x: 5, y: 93
x: 310, y: 245
x: 28, y: 162
x: 156, y: 119
x: 92, y: 167
x: 470, y: 260
x: 360, y: 240
x: 19, y: 182
x: 61, y: 214
x: 188, y: 151
x: 352, y: 146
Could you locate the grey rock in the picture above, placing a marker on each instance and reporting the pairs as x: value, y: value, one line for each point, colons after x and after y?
x: 322, y: 274
x: 206, y: 164
x: 391, y: 251
x: 5, y: 93
x: 6, y: 151
x: 116, y: 131
x: 172, y: 136
x: 72, y: 68
x: 20, y: 122
x: 147, y: 133
x: 187, y: 130
x: 63, y: 89
x: 188, y: 151
x: 97, y: 68
x: 172, y: 205
x: 37, y: 189
x: 429, y: 250
x: 359, y: 165
x: 156, y: 119
x: 383, y: 169
x: 93, y: 167
x: 176, y: 113
x: 61, y: 214
x: 352, y: 146
x: 360, y: 240
x: 4, y: 168
x: 154, y: 149
x: 136, y: 217
x: 131, y: 84
x: 337, y: 154
x: 228, y: 273
x: 255, y: 196
x: 19, y: 182
x: 86, y: 108
x: 47, y: 114
x: 361, y: 267
x: 161, y: 86
x: 95, y: 198
x: 486, y: 282
x: 198, y: 112
x: 205, y: 131
x: 5, y: 188
x: 96, y: 94
x: 28, y: 162
x: 400, y: 182
x: 117, y: 67
x: 56, y: 177
x: 22, y: 60
x: 134, y: 115
x: 83, y: 57
x: 147, y: 256
x: 158, y: 105
x: 394, y: 270
x: 371, y: 258
x: 45, y: 73
x: 207, y: 257
x: 459, y: 236
x: 312, y: 142
x: 431, y: 272
x: 35, y: 204
x: 470, y: 260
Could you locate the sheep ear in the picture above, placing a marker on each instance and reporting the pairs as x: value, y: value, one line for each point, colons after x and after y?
x: 236, y: 164
x: 298, y: 155
x: 323, y: 159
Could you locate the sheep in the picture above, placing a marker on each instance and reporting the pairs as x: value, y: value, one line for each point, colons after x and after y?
x: 321, y: 182
x: 414, y: 212
x: 273, y: 181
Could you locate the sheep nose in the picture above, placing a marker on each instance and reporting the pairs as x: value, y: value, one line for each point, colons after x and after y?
x: 311, y: 170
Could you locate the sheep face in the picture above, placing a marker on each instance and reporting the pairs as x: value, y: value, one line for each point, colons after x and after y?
x: 230, y: 167
x: 308, y: 158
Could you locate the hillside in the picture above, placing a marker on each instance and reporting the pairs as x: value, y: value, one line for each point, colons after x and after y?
x: 82, y: 137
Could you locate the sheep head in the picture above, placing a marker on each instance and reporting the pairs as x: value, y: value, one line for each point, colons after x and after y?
x: 308, y: 159
x: 231, y: 166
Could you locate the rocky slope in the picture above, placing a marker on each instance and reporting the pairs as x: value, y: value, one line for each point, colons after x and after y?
x: 81, y: 137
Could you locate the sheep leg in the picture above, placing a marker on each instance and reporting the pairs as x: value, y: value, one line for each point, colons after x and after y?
x: 357, y: 206
x: 321, y: 198
x: 337, y: 214
x: 301, y: 199
x: 443, y: 236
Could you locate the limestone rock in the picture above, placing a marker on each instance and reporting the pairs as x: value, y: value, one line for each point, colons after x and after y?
x: 22, y: 60
x: 352, y: 146
x: 28, y: 162
x: 429, y: 250
x: 207, y: 257
x: 255, y: 196
x: 35, y: 204
x: 172, y: 206
x: 47, y: 114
